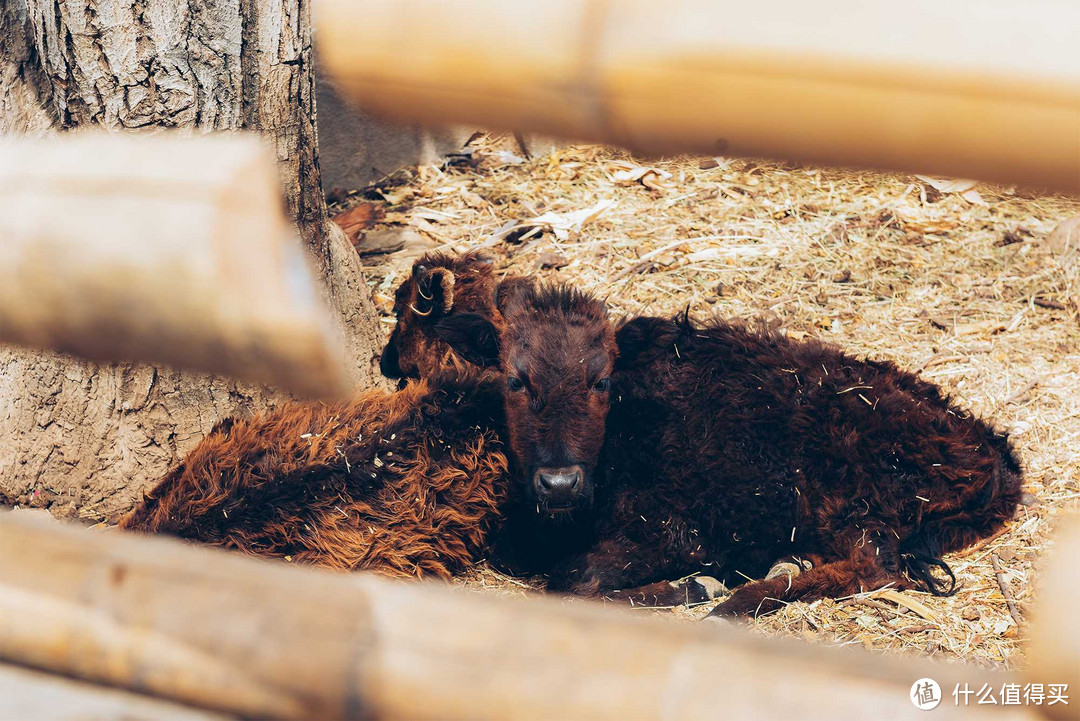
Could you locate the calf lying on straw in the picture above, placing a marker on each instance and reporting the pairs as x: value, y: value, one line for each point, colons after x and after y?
x: 405, y: 484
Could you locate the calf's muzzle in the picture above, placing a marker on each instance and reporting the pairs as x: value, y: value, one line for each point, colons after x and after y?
x: 558, y: 487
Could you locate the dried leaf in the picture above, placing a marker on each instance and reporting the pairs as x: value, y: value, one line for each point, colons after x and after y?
x: 435, y: 216
x: 909, y: 603
x: 1010, y: 237
x: 551, y: 260
x: 933, y: 227
x: 397, y: 196
x: 982, y: 327
x: 972, y: 196
x: 473, y: 200
x: 359, y: 218
x: 657, y: 180
x: 913, y: 222
x: 509, y: 158
x: 379, y: 242
x: 652, y: 178
x: 939, y: 322
x: 1065, y: 238
x: 946, y: 185
x: 561, y: 224
x: 1006, y: 553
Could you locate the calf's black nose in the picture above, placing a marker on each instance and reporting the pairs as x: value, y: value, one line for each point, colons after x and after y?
x: 558, y: 486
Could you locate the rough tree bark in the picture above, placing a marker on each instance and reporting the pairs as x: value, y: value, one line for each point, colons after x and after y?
x: 25, y: 93
x: 88, y: 438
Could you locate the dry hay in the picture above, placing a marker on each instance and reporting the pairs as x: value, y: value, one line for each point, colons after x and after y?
x: 956, y: 283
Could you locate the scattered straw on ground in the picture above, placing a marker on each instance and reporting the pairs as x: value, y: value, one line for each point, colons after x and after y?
x: 955, y: 282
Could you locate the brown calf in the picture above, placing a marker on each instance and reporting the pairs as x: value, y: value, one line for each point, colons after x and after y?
x: 406, y: 484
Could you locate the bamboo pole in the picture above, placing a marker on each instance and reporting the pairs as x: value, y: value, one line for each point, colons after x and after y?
x: 258, y: 638
x: 163, y: 249
x: 965, y: 89
x: 31, y: 695
x: 1054, y: 637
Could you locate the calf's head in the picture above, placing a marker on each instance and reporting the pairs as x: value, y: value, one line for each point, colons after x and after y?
x: 438, y: 284
x: 556, y: 350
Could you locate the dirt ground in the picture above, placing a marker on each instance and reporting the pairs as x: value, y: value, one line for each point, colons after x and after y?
x: 955, y: 281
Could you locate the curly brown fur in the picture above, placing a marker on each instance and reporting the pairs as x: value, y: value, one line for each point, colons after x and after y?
x: 728, y: 447
x: 407, y: 484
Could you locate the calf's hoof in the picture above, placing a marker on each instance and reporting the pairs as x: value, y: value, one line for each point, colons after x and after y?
x: 710, y: 587
x: 784, y: 568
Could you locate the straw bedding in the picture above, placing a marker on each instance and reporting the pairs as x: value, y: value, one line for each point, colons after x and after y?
x: 954, y: 280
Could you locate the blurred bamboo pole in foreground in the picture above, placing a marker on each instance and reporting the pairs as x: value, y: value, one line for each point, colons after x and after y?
x: 164, y: 249
x: 983, y: 90
x: 258, y: 638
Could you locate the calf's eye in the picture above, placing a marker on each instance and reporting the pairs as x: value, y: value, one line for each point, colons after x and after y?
x: 602, y: 386
x: 514, y: 383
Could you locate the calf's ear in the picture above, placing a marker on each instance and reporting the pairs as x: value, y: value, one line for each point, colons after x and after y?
x: 434, y: 291
x: 510, y: 288
x: 472, y: 336
x: 641, y: 339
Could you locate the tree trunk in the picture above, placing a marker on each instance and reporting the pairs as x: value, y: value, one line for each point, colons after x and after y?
x: 90, y: 438
x: 25, y: 93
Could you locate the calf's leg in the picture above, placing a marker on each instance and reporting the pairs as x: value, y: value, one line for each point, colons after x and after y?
x: 698, y: 589
x: 861, y: 572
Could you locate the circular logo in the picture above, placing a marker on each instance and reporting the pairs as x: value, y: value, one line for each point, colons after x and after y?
x: 925, y: 694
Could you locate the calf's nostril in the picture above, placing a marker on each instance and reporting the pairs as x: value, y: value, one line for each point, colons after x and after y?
x: 560, y: 483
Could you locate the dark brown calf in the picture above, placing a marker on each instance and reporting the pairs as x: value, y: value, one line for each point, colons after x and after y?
x: 406, y: 484
x: 727, y: 448
x: 771, y: 447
